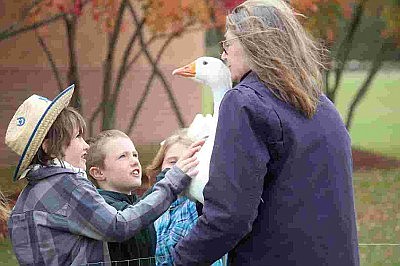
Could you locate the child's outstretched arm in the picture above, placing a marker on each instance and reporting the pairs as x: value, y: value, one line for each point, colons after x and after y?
x: 188, y: 161
x: 94, y: 218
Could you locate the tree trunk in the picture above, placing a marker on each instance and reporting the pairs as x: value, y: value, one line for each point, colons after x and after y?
x: 123, y: 66
x: 155, y: 71
x: 73, y: 74
x: 376, y: 65
x: 52, y: 63
x: 108, y: 121
x: 343, y: 51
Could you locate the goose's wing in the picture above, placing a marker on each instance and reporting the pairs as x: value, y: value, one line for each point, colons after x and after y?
x: 201, y: 126
x: 196, y: 187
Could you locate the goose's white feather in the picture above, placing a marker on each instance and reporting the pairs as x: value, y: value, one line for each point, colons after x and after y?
x: 201, y: 126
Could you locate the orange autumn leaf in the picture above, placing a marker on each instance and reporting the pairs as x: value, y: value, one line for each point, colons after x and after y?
x: 391, y: 17
x: 322, y: 17
x: 176, y: 13
x: 160, y: 15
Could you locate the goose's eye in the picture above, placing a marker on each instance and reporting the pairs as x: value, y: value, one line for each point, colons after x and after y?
x: 205, y: 62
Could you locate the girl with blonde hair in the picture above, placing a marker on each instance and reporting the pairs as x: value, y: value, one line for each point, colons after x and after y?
x: 183, y: 213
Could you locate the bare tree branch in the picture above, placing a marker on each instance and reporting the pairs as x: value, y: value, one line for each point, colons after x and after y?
x: 157, y: 71
x: 146, y: 91
x: 123, y: 66
x: 12, y: 31
x: 25, y: 11
x: 8, y: 34
x: 73, y: 73
x: 344, y: 49
x: 52, y: 63
x: 24, y: 14
x: 376, y: 65
x: 93, y: 118
x: 139, y: 53
x: 153, y: 38
x: 107, y: 78
x: 139, y: 106
x: 122, y: 74
x: 108, y: 107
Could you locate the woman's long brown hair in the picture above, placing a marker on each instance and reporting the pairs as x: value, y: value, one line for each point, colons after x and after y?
x: 279, y: 50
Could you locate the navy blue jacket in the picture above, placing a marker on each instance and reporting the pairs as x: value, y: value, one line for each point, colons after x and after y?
x: 280, y: 189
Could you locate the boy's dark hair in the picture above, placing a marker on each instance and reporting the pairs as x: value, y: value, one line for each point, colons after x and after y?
x: 60, y: 135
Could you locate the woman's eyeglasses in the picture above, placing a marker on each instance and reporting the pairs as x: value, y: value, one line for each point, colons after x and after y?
x: 225, y: 44
x: 222, y: 47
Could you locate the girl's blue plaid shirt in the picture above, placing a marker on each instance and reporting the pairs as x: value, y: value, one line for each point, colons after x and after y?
x: 174, y: 225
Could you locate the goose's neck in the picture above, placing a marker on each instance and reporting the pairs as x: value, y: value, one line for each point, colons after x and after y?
x: 218, y: 95
x: 219, y: 88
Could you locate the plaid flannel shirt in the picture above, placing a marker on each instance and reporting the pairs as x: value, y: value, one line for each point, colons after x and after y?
x: 60, y: 218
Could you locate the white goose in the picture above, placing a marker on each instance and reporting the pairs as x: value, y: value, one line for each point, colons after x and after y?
x: 214, y: 73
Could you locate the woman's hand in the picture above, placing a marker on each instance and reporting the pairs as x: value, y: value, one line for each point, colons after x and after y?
x: 188, y: 161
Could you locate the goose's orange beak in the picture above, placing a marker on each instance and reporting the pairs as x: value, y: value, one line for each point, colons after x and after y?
x: 186, y: 71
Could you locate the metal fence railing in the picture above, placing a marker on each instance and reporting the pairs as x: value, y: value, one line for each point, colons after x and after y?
x: 149, y: 261
x: 152, y: 260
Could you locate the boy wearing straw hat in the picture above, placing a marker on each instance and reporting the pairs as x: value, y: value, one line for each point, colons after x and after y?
x: 59, y: 218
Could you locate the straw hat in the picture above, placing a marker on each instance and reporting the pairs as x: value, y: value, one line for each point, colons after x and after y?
x: 30, y: 124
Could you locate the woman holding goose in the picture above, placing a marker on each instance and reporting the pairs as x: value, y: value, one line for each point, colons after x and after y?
x: 280, y: 181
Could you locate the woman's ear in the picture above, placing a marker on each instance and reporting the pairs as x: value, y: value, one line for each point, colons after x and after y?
x: 96, y: 173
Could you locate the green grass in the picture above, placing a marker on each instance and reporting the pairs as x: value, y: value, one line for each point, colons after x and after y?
x: 376, y: 123
x: 377, y: 204
x: 7, y: 256
x: 7, y: 186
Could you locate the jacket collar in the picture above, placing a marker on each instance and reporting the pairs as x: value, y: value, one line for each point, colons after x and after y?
x: 55, y: 165
x: 249, y: 77
x: 252, y: 81
x: 117, y: 196
x: 39, y: 172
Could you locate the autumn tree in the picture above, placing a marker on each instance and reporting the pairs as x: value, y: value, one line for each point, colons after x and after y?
x: 326, y: 19
x: 36, y: 16
x: 152, y: 20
